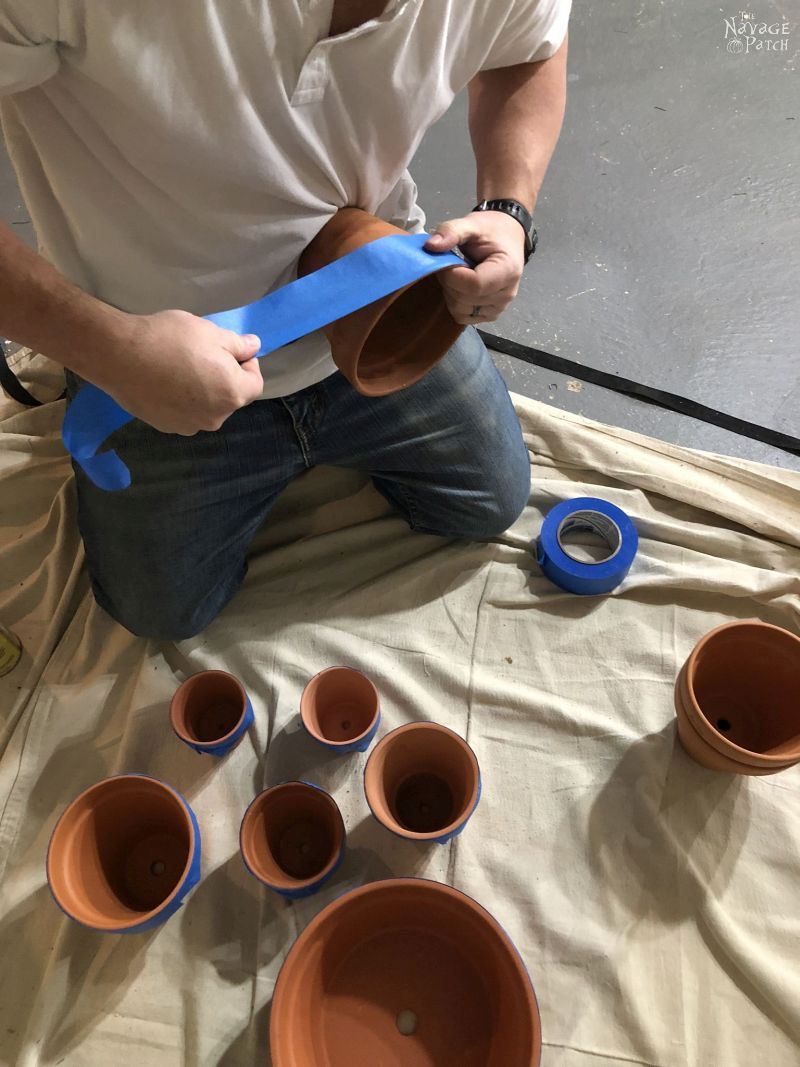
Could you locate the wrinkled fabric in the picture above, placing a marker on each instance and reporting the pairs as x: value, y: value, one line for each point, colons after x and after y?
x: 654, y: 903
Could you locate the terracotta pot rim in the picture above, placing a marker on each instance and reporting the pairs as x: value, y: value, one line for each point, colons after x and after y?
x: 144, y: 917
x: 440, y: 888
x: 704, y: 727
x: 445, y: 831
x: 297, y: 884
x: 351, y: 740
x: 186, y: 738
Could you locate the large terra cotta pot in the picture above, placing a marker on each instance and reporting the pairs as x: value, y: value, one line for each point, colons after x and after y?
x: 393, y: 342
x: 404, y: 973
x: 737, y: 699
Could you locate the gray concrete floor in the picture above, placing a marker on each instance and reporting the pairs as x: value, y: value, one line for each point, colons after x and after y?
x: 669, y: 224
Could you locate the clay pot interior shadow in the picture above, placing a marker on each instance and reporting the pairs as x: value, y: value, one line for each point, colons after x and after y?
x: 339, y: 705
x: 292, y: 836
x: 119, y: 851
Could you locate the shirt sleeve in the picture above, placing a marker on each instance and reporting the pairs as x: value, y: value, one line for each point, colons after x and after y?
x: 28, y: 43
x: 532, y: 30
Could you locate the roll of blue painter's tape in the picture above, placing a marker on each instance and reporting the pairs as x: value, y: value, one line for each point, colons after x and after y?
x: 590, y: 515
x: 338, y: 289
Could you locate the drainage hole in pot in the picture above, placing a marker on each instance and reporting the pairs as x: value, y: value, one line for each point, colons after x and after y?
x: 723, y: 725
x: 345, y: 724
x: 305, y: 848
x: 406, y: 1022
x: 157, y: 867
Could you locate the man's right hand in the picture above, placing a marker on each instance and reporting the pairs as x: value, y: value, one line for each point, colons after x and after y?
x: 177, y: 372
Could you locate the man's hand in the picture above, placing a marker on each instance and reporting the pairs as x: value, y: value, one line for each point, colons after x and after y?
x: 496, y: 243
x: 179, y: 373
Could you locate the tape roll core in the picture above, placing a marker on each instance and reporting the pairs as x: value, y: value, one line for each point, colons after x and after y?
x: 588, y: 521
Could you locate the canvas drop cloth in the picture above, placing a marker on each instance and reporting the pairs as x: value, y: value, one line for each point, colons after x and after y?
x: 655, y: 904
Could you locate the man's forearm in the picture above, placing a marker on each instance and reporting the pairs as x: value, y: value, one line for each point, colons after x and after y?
x: 515, y: 117
x: 39, y: 308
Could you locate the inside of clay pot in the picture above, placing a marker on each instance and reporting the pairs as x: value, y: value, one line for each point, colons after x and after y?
x: 339, y: 705
x: 422, y: 778
x: 414, y: 331
x: 210, y: 706
x: 400, y: 973
x: 746, y: 681
x: 120, y: 851
x: 292, y: 834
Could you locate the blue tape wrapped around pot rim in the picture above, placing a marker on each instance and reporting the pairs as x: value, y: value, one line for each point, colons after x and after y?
x: 592, y: 515
x: 179, y: 894
x: 350, y: 283
x: 222, y: 747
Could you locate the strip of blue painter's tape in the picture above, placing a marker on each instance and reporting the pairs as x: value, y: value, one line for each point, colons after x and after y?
x: 369, y: 273
x: 592, y: 515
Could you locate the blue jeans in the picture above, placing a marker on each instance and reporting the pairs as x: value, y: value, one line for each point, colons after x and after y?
x: 168, y: 553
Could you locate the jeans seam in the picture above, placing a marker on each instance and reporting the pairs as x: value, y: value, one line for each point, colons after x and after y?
x: 305, y: 444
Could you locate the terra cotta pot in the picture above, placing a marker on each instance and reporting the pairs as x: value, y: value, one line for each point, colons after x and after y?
x: 737, y: 699
x: 404, y: 972
x: 393, y: 342
x: 292, y: 838
x: 124, y: 854
x: 340, y: 708
x: 211, y: 712
x: 423, y: 782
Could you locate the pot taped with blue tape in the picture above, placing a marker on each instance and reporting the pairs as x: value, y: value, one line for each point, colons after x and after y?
x: 423, y: 782
x: 124, y: 855
x: 292, y: 838
x: 211, y: 712
x: 340, y: 709
x: 369, y: 284
x: 558, y: 557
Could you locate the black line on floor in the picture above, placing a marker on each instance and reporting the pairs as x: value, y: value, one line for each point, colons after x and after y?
x: 650, y: 395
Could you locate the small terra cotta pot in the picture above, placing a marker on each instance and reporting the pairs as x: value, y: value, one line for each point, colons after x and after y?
x: 404, y: 971
x: 737, y: 699
x: 292, y: 838
x: 423, y: 782
x: 340, y: 708
x: 211, y: 712
x: 393, y: 342
x: 124, y: 854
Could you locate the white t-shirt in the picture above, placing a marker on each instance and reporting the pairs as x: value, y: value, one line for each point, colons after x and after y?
x: 182, y: 153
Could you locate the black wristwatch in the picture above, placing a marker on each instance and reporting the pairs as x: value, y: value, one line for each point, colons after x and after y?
x: 521, y: 214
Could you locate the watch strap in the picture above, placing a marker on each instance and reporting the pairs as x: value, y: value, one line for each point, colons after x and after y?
x: 519, y: 212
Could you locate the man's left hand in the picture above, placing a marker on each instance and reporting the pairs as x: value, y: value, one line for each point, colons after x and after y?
x: 495, y: 242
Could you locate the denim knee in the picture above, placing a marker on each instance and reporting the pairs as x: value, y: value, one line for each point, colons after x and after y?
x: 494, y: 513
x: 160, y: 618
